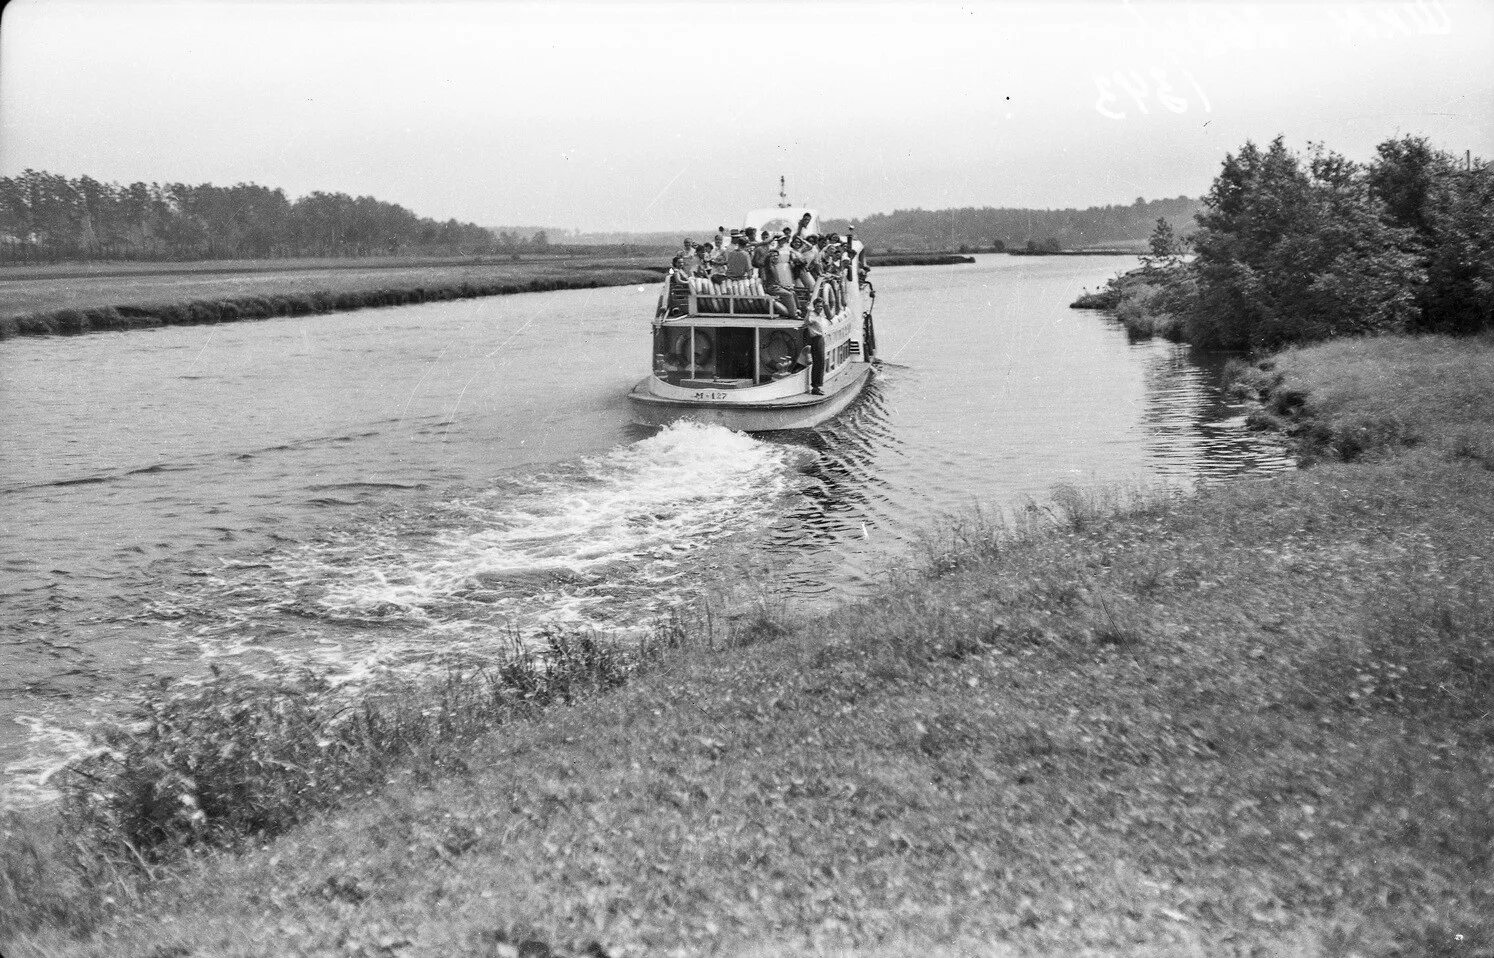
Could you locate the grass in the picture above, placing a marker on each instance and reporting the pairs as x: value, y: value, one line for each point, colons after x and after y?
x: 52, y: 301
x: 917, y: 259
x: 80, y: 269
x: 1253, y: 721
x: 1350, y: 397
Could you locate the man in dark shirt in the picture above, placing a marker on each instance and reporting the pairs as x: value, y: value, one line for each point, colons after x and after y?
x: 738, y: 261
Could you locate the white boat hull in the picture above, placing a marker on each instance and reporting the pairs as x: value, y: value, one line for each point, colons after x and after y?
x: 802, y: 411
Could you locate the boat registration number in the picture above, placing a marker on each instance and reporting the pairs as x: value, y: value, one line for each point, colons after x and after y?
x: 702, y: 394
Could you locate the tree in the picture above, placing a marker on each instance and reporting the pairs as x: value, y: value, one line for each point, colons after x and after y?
x: 1451, y: 215
x: 1165, y: 246
x: 90, y: 218
x: 1289, y: 251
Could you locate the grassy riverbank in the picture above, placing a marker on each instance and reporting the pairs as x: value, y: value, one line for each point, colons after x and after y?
x: 1250, y: 721
x: 74, y: 299
x: 917, y: 259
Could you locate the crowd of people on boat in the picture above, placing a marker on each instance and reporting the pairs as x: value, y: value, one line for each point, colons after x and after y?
x: 789, y: 264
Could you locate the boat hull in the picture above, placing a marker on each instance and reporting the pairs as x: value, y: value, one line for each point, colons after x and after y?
x: 799, y: 412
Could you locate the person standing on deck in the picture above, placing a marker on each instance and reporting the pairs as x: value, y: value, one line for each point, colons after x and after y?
x: 815, y: 332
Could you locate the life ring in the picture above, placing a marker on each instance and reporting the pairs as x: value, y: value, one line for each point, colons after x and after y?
x: 704, y: 348
x: 777, y: 352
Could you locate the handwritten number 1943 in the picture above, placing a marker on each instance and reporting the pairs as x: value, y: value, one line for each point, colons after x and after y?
x: 1114, y: 89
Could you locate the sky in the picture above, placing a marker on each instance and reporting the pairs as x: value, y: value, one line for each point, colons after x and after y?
x: 653, y: 116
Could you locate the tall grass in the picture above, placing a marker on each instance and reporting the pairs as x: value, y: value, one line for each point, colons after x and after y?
x: 234, y: 759
x: 244, y: 756
x: 1352, y: 398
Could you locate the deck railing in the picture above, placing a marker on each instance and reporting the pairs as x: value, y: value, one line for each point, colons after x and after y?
x: 742, y: 297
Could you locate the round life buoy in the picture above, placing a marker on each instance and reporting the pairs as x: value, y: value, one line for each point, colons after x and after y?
x: 680, y: 347
x: 777, y: 353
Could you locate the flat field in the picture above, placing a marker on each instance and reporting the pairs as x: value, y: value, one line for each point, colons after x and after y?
x: 49, y: 289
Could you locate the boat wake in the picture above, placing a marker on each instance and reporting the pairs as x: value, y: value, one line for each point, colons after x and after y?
x: 607, y: 543
x: 603, y: 543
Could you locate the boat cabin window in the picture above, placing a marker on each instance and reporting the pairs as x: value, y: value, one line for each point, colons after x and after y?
x: 725, y: 357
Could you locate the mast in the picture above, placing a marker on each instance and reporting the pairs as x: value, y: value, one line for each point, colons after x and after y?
x: 782, y: 196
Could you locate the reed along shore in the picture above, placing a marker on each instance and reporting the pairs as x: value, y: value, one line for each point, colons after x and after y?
x: 1250, y: 720
x: 81, y: 298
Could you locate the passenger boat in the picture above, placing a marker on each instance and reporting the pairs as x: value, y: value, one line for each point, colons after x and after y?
x: 724, y: 351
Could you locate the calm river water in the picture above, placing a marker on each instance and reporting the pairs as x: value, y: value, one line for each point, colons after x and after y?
x: 380, y: 488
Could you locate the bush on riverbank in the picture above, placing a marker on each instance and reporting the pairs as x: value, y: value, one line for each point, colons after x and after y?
x: 1139, y: 300
x: 1292, y: 249
x: 239, y: 757
x: 244, y: 757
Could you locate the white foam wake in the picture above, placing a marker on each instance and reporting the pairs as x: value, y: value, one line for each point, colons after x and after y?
x: 599, y: 544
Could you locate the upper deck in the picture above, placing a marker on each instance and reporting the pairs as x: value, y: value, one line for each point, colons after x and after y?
x: 744, y: 303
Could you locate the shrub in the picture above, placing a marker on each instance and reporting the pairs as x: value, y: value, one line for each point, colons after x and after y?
x: 173, y: 314
x: 37, y: 324
x: 1140, y: 311
x: 104, y: 317
x: 241, y: 755
x: 1291, y: 252
x: 255, y: 307
x: 69, y: 321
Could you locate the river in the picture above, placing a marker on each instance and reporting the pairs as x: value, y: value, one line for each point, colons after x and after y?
x: 382, y: 488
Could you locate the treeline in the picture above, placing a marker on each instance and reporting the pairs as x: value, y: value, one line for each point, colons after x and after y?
x: 969, y: 229
x: 47, y: 216
x: 1299, y: 247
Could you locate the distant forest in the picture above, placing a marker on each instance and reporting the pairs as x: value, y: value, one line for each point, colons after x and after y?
x: 967, y: 229
x: 47, y: 216
x: 964, y: 230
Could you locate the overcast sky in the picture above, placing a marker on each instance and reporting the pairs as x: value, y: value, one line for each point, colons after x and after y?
x: 657, y: 116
